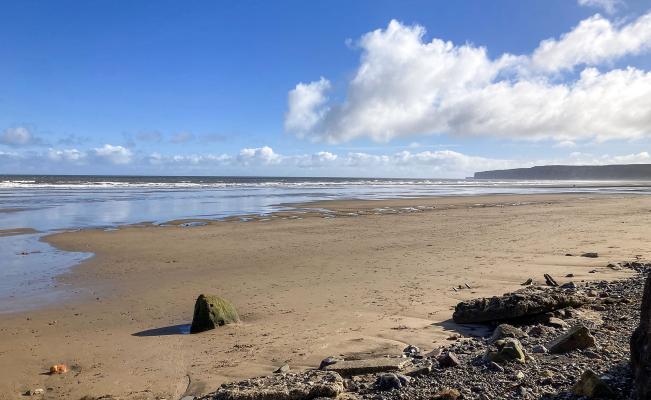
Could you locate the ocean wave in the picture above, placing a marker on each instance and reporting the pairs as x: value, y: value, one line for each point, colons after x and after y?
x: 299, y: 183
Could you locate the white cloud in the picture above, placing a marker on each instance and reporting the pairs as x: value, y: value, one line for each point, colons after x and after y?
x: 18, y: 136
x: 265, y: 161
x: 579, y: 158
x: 565, y: 144
x: 70, y: 155
x: 595, y: 40
x: 113, y: 154
x: 405, y: 86
x: 305, y: 105
x: 262, y: 155
x: 609, y: 6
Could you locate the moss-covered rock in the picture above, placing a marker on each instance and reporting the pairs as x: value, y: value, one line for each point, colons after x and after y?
x: 508, y: 349
x: 212, y: 311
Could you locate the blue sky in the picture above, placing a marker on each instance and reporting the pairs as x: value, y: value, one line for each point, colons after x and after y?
x: 337, y: 88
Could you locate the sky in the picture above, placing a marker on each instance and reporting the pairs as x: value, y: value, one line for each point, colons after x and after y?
x: 422, y: 89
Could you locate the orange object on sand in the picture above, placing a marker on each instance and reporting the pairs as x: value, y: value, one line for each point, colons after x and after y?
x: 58, y: 369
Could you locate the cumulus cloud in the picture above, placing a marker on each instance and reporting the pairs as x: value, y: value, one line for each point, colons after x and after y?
x: 18, y: 136
x: 406, y: 86
x: 262, y: 155
x: 306, y: 105
x: 69, y: 155
x: 609, y: 6
x: 112, y: 154
x: 595, y: 40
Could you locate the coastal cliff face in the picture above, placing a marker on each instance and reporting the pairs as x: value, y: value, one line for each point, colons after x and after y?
x: 572, y: 172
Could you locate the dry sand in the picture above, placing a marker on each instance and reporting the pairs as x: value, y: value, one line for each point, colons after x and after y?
x: 367, y: 281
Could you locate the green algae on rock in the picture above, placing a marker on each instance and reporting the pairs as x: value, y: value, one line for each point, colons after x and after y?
x: 212, y: 311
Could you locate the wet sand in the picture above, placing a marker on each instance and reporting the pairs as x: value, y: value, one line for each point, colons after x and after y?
x: 369, y: 277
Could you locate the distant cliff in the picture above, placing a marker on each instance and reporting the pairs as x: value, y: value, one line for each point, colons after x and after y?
x: 573, y: 172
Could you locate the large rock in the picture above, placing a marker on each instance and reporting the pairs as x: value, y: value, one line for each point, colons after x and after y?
x: 578, y: 337
x: 508, y: 350
x: 506, y: 331
x: 522, y: 303
x: 304, y: 386
x: 592, y: 387
x: 211, y: 312
x: 641, y: 346
x: 369, y: 366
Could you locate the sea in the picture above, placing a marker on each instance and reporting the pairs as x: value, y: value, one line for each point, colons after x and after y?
x: 32, y: 207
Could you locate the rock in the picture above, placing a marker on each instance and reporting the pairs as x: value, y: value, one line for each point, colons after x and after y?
x: 419, y: 369
x: 447, y: 394
x: 524, y: 302
x: 508, y: 350
x: 34, y: 392
x: 308, y: 385
x: 188, y: 398
x: 211, y: 312
x: 578, y: 337
x: 449, y: 360
x: 641, y: 346
x: 568, y: 285
x: 590, y: 255
x: 411, y: 351
x: 539, y: 349
x: 527, y: 282
x: 328, y: 361
x: 519, y: 375
x: 506, y: 331
x: 539, y: 330
x: 549, y: 280
x: 493, y: 366
x: 435, y: 353
x: 391, y: 381
x: 283, y: 369
x: 591, y: 354
x: 556, y: 322
x: 569, y: 276
x: 370, y: 366
x: 591, y: 386
x: 388, y: 382
x: 58, y: 369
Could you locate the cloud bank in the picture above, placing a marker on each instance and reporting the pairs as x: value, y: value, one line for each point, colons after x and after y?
x: 407, y: 86
x: 265, y: 161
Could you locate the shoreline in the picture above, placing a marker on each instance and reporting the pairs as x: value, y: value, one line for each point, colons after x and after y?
x: 369, y: 283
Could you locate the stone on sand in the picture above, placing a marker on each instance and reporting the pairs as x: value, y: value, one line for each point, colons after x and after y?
x: 578, y: 337
x: 508, y: 349
x: 591, y: 386
x: 524, y: 302
x: 212, y: 311
x: 506, y: 331
x: 307, y: 385
x: 369, y: 366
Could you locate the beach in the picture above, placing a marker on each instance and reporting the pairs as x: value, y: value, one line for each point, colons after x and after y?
x: 364, y: 277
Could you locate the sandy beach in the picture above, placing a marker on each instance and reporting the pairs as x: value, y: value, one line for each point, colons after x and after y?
x: 368, y: 277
